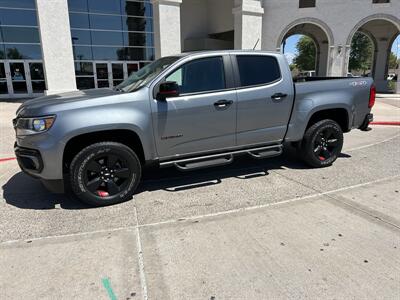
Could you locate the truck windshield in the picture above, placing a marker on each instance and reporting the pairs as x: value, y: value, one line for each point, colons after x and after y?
x: 140, y: 78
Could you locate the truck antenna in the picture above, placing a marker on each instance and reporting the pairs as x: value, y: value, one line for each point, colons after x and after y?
x: 256, y: 44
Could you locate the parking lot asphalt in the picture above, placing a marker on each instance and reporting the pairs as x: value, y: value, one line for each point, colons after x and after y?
x: 257, y: 229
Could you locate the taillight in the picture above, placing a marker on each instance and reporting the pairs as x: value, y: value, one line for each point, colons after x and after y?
x: 372, y: 95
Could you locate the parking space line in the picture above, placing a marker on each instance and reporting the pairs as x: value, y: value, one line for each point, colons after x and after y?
x: 70, y: 235
x: 373, y: 144
x: 140, y: 258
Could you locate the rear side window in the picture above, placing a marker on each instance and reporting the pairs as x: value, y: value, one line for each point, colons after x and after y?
x: 199, y: 76
x: 257, y: 69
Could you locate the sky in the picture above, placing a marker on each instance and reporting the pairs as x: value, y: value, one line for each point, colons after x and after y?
x: 291, y: 52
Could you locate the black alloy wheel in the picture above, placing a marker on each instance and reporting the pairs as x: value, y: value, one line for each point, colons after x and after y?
x: 326, y: 144
x: 322, y: 143
x: 105, y: 173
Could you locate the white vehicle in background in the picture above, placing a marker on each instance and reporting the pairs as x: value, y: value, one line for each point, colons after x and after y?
x: 390, y: 76
x: 307, y: 74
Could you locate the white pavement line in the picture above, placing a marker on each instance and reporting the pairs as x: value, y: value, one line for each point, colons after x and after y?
x: 232, y: 211
x: 140, y: 257
x: 69, y: 235
x: 373, y: 144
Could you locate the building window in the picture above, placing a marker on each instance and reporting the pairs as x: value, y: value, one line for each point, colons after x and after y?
x: 306, y: 3
x: 111, y: 31
x: 380, y: 1
x: 19, y: 33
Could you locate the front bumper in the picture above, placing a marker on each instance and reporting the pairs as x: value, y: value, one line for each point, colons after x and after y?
x: 29, y: 160
x: 365, y: 125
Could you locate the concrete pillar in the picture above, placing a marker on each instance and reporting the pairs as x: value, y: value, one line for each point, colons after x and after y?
x: 167, y: 27
x: 55, y: 35
x: 339, y: 56
x: 248, y: 16
x: 323, y: 59
x: 381, y: 65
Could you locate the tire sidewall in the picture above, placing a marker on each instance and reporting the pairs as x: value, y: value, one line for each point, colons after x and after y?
x: 309, y: 147
x: 79, y: 165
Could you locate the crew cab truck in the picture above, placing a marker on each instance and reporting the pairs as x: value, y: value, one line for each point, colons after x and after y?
x: 191, y: 111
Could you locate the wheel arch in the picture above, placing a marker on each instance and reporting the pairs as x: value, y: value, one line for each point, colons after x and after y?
x: 124, y: 136
x: 340, y: 115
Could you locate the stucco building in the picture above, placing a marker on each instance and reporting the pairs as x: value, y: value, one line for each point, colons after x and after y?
x: 52, y: 46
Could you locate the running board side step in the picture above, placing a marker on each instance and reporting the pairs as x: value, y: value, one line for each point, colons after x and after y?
x: 194, y: 165
x: 266, y: 153
x: 221, y: 159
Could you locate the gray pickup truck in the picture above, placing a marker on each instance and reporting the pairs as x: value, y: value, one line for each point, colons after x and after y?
x: 191, y: 111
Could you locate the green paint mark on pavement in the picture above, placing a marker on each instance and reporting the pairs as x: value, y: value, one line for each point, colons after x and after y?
x: 107, y: 286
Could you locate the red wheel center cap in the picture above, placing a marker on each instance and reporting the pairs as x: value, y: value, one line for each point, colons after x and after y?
x: 102, y: 194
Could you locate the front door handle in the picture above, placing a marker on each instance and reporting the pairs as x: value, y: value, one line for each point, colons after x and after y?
x: 223, y: 103
x: 278, y: 96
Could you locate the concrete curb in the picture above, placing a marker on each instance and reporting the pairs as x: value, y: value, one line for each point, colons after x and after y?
x: 7, y: 159
x: 390, y: 123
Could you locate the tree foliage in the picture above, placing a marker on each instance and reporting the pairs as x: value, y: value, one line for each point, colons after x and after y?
x: 361, y: 54
x: 305, y: 60
x: 393, y: 61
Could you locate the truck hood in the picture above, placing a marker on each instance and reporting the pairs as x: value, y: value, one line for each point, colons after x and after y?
x: 47, y: 104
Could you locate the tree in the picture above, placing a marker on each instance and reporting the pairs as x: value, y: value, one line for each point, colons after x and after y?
x: 13, y: 53
x: 361, y: 53
x: 305, y: 60
x: 393, y: 61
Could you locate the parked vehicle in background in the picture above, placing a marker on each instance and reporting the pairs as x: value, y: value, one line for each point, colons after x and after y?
x: 390, y: 76
x: 191, y: 111
x: 307, y: 74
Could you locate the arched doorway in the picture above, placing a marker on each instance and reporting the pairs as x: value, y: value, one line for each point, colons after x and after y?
x: 382, y: 30
x: 301, y: 52
x: 362, y: 55
x: 309, y: 32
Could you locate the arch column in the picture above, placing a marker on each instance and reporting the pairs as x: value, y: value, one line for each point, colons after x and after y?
x: 339, y: 57
x: 381, y: 65
x: 167, y: 27
x: 323, y: 59
x: 248, y: 15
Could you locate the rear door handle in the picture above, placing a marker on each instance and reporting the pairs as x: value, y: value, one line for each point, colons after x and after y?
x: 223, y: 103
x: 278, y: 96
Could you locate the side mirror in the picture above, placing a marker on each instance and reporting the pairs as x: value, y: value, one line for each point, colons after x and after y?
x: 168, y: 89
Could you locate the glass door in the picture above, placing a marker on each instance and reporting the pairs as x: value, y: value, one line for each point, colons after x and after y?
x: 131, y: 68
x: 18, y: 78
x: 37, y: 82
x: 117, y: 73
x: 110, y: 74
x: 102, y: 75
x: 4, y: 92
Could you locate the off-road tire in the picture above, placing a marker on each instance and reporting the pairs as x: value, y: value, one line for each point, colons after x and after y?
x: 93, y: 165
x: 322, y: 143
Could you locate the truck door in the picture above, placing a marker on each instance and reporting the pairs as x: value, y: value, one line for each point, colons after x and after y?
x: 265, y: 97
x: 203, y: 116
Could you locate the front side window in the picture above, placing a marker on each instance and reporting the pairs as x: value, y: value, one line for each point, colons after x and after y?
x: 199, y: 76
x: 257, y: 69
x: 140, y: 78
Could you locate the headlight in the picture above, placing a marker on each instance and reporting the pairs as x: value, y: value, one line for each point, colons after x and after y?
x: 29, y: 126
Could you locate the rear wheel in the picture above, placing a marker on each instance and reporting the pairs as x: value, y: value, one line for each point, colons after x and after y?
x: 322, y: 143
x: 105, y: 173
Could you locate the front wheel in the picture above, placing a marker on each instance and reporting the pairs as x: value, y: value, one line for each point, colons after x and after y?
x: 322, y: 143
x: 105, y: 173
